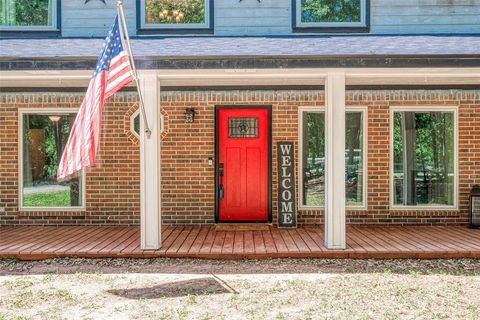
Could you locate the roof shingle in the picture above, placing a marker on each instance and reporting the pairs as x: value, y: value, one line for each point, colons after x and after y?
x: 293, y: 46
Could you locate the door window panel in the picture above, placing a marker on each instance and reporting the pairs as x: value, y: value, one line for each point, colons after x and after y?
x: 243, y: 127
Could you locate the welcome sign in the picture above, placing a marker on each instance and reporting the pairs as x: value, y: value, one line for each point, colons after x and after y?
x: 287, y: 217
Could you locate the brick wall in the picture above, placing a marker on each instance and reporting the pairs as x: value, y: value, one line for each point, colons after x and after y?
x: 112, y: 189
x: 188, y: 179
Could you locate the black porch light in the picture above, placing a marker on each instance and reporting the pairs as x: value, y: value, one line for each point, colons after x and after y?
x: 189, y: 115
x: 474, y: 214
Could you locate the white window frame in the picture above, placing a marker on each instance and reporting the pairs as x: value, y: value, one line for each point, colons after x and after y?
x: 431, y: 108
x: 46, y: 111
x: 318, y: 109
x: 52, y: 27
x: 361, y: 23
x: 145, y: 25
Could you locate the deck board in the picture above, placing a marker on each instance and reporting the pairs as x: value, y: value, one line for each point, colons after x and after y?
x: 197, y: 244
x: 187, y: 244
x: 31, y: 243
x: 259, y: 243
x: 228, y: 243
x: 238, y: 243
x: 248, y: 242
x: 208, y: 242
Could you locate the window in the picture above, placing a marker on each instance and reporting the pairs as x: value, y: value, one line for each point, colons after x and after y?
x: 312, y: 152
x: 179, y: 14
x: 28, y: 14
x: 42, y: 137
x: 423, y: 158
x: 135, y: 123
x: 333, y: 14
x: 243, y: 127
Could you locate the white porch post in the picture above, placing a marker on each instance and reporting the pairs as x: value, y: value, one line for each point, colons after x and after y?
x: 150, y: 218
x: 335, y: 161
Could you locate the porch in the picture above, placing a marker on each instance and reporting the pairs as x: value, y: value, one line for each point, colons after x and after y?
x: 428, y: 242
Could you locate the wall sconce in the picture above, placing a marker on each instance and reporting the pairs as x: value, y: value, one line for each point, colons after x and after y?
x: 54, y: 119
x: 189, y: 115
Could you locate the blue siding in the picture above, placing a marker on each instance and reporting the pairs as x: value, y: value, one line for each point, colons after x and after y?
x: 273, y: 17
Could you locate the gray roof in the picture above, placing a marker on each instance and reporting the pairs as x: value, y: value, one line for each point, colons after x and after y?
x: 251, y: 46
x: 250, y: 52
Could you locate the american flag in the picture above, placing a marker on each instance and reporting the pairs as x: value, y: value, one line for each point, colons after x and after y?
x: 112, y: 73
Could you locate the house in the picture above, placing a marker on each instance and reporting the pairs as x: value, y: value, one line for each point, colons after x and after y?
x: 283, y: 112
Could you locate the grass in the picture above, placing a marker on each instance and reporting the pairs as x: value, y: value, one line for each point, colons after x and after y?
x: 262, y: 289
x: 47, y: 199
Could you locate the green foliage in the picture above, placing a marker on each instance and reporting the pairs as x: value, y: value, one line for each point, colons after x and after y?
x: 25, y: 12
x: 179, y: 11
x: 331, y: 10
x: 316, y: 143
x: 50, y: 145
x: 47, y: 199
x: 315, y: 161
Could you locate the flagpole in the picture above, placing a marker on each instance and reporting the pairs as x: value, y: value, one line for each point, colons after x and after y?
x: 124, y: 32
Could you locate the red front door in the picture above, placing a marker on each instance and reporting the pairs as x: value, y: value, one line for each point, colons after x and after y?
x: 243, y: 164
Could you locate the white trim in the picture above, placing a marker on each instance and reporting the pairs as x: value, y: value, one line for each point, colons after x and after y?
x: 44, y: 111
x: 145, y: 25
x: 300, y: 24
x: 150, y: 166
x: 335, y: 219
x: 426, y: 108
x: 364, y: 111
x: 52, y: 27
x: 231, y: 77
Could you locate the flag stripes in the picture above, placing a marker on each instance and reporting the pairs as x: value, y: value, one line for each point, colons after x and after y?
x: 113, y: 72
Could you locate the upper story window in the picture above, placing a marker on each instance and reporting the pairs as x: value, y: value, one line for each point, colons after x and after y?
x: 29, y: 15
x: 176, y: 14
x: 331, y: 15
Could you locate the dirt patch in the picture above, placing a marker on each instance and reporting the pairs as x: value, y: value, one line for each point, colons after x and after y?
x: 203, y: 266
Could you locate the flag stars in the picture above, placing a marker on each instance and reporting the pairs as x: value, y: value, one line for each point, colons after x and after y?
x: 111, y: 48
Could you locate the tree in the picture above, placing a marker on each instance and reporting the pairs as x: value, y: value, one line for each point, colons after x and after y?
x: 25, y: 12
x: 331, y: 10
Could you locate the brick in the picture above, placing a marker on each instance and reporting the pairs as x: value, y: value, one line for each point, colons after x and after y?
x: 113, y: 188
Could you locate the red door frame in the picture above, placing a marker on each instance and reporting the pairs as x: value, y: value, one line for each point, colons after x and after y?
x: 269, y: 109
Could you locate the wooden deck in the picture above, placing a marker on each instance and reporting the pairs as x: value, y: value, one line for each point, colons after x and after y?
x: 31, y: 243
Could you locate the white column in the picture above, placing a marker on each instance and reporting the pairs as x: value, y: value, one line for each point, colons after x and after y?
x: 150, y: 218
x: 335, y: 161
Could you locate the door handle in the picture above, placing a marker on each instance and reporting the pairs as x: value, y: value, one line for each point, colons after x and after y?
x: 221, y: 190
